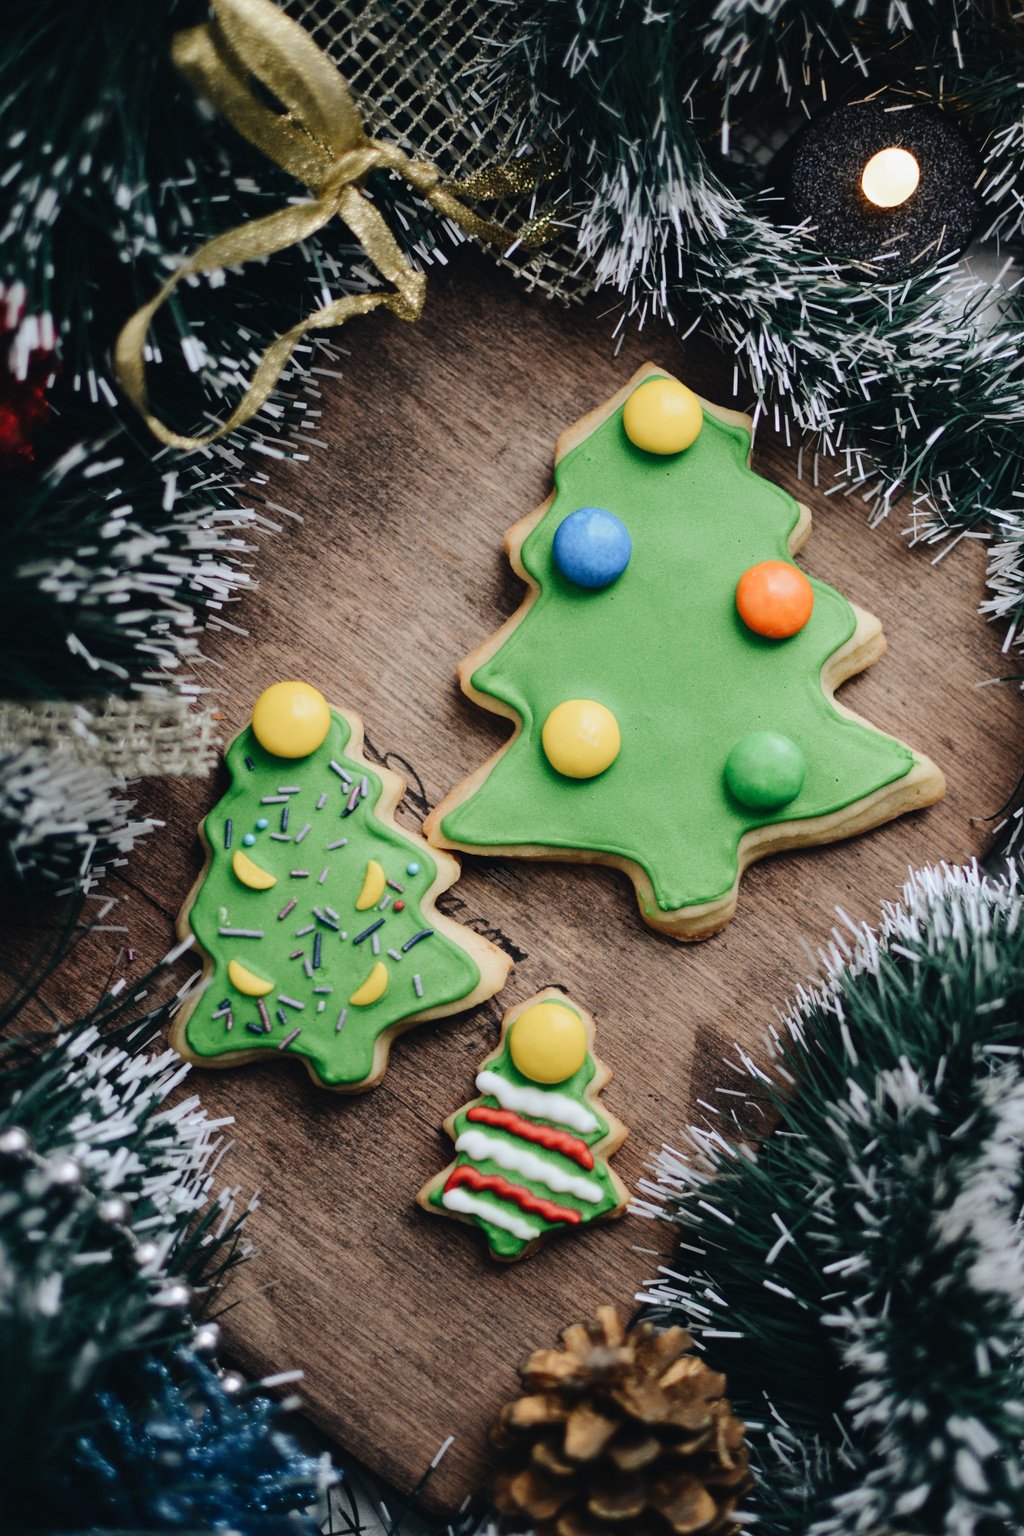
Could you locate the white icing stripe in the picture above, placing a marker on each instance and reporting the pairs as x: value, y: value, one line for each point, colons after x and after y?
x: 534, y: 1101
x: 478, y: 1145
x: 459, y: 1199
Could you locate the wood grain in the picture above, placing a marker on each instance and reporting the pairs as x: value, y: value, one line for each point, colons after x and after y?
x: 437, y: 439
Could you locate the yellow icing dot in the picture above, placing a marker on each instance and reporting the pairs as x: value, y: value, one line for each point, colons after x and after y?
x: 548, y: 1042
x: 250, y: 873
x: 581, y: 738
x: 291, y: 719
x: 246, y: 981
x: 375, y: 985
x: 374, y: 882
x: 662, y: 416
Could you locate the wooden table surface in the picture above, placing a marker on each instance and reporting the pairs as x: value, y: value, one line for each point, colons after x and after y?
x: 437, y: 438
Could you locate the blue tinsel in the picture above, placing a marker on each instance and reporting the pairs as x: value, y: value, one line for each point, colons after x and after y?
x: 190, y: 1456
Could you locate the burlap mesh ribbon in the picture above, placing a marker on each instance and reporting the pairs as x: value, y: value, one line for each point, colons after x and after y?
x: 318, y: 137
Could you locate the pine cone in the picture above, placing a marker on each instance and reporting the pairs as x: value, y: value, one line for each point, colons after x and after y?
x: 620, y: 1434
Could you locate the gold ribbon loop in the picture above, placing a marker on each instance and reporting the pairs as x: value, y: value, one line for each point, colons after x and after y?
x: 317, y: 137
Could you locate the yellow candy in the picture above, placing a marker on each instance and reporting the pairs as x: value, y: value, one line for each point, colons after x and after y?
x: 374, y: 882
x: 375, y: 985
x: 581, y: 738
x: 291, y: 719
x: 662, y: 416
x: 246, y: 981
x: 250, y: 873
x: 548, y: 1042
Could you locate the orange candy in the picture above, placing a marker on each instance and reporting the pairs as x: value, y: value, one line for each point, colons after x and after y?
x: 774, y: 599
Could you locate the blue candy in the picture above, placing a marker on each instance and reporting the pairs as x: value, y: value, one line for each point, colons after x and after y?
x: 249, y: 839
x: 591, y: 547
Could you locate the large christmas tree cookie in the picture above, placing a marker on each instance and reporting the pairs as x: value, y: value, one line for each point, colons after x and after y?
x: 314, y: 912
x: 671, y: 672
x: 530, y: 1153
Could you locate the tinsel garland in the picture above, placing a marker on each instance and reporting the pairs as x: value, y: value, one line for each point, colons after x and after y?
x: 190, y: 1451
x: 858, y: 1272
x: 663, y: 113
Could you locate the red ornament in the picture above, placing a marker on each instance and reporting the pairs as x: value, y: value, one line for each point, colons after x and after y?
x: 399, y: 906
x: 27, y: 369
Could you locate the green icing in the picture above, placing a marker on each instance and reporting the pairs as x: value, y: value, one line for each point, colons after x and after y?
x: 664, y: 649
x: 505, y: 1244
x: 342, y: 1056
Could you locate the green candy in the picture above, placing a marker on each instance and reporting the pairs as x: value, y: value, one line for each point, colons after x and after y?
x: 765, y: 770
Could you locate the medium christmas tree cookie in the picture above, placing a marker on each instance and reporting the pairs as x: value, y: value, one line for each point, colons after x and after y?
x: 314, y: 913
x: 531, y: 1151
x: 671, y: 672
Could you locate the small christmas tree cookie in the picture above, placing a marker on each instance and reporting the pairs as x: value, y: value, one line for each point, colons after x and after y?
x: 531, y: 1152
x: 671, y: 672
x: 314, y: 912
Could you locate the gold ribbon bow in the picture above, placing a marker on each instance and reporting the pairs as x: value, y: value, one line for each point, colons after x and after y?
x: 320, y: 140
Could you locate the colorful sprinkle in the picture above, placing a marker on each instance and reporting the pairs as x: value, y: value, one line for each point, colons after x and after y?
x: 255, y: 1029
x: 375, y: 943
x: 227, y: 832
x: 296, y: 954
x: 280, y: 837
x: 321, y: 1006
x: 396, y: 887
x: 382, y: 906
x: 289, y: 1038
x: 264, y: 1015
x: 307, y: 828
x: 325, y: 990
x: 364, y: 786
x: 284, y: 818
x: 321, y: 802
x: 289, y: 906
x: 317, y: 943
x: 339, y: 844
x: 322, y: 876
x: 249, y: 839
x: 322, y: 917
x: 240, y: 933
x: 424, y: 933
x: 367, y: 931
x: 274, y: 800
x: 307, y: 967
x: 394, y: 954
x: 353, y: 801
x: 290, y: 1002
x: 339, y: 770
x: 289, y: 789
x: 332, y: 914
x: 418, y: 984
x: 249, y: 763
x: 282, y: 1017
x: 342, y: 1016
x: 300, y: 933
x: 300, y: 874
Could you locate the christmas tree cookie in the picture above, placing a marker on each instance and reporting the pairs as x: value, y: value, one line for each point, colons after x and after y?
x: 531, y: 1151
x: 314, y: 913
x: 671, y: 672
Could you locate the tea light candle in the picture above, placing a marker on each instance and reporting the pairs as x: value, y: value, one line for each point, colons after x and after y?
x: 886, y: 183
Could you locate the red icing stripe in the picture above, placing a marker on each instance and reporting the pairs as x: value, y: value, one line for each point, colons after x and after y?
x: 543, y: 1135
x: 496, y: 1185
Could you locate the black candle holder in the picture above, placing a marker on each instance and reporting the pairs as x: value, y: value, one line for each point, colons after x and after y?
x: 821, y: 175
